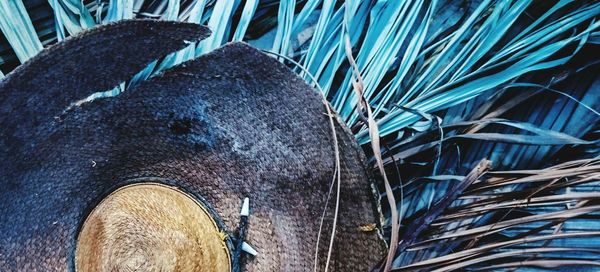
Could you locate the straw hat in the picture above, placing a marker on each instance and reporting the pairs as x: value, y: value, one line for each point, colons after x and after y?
x: 153, y: 179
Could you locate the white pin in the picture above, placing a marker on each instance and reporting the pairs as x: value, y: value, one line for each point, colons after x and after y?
x: 249, y: 249
x: 245, y: 207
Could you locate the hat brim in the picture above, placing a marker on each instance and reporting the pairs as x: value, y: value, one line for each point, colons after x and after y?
x: 233, y: 123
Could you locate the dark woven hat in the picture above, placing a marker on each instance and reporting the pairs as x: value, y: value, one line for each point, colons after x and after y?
x: 100, y: 186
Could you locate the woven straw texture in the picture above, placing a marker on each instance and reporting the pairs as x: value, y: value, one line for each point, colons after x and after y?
x: 231, y: 124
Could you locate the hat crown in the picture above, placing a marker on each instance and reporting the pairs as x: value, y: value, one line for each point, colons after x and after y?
x: 151, y: 227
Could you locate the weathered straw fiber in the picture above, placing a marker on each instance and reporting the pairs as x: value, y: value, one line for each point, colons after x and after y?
x: 231, y: 124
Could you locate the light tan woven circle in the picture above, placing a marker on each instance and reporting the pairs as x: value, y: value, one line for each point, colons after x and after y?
x: 150, y: 227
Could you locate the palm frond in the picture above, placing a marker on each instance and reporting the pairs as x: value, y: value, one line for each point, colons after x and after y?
x: 18, y: 30
x: 553, y: 217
